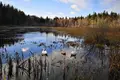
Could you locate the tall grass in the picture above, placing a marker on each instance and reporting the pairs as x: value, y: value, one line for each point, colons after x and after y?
x: 114, y: 64
x: 101, y: 33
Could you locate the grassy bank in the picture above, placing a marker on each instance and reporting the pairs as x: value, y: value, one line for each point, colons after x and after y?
x: 94, y: 35
x: 72, y: 31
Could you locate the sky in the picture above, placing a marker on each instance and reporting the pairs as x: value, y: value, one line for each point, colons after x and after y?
x: 64, y: 8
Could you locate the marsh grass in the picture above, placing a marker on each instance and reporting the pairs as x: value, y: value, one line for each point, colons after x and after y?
x: 38, y: 67
x: 114, y: 65
x: 102, y: 34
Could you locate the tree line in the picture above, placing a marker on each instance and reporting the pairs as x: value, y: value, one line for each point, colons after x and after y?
x: 90, y: 20
x: 13, y: 16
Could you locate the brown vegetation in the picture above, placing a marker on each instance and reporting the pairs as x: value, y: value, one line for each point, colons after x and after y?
x: 94, y: 35
x: 114, y: 69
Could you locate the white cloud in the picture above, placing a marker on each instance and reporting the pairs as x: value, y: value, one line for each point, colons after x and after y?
x: 10, y: 2
x: 64, y: 1
x: 81, y: 3
x: 115, y: 6
x: 111, y: 5
x: 27, y: 0
x: 75, y: 7
x: 60, y: 13
x: 24, y: 49
x: 5, y: 1
x: 76, y: 4
x: 72, y: 12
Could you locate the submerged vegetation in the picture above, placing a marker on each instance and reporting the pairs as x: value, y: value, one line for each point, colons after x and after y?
x: 114, y: 64
x: 60, y: 65
x: 95, y: 57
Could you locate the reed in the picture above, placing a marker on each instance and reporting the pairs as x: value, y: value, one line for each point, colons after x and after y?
x: 0, y: 66
x: 39, y: 67
x: 17, y: 64
x: 10, y: 68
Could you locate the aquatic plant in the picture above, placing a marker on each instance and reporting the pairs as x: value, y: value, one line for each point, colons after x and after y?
x: 10, y: 68
x: 39, y: 67
x: 0, y: 65
x: 17, y: 63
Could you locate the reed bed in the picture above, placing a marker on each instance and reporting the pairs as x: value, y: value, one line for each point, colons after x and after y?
x: 77, y: 63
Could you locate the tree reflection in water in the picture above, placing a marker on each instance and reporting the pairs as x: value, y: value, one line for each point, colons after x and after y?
x: 89, y: 62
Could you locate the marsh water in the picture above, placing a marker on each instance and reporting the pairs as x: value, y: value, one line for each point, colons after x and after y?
x: 90, y: 63
x: 33, y: 39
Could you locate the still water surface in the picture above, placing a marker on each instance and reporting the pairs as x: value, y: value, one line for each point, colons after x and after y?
x: 89, y: 62
x: 15, y: 42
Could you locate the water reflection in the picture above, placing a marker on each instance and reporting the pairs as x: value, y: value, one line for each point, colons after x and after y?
x: 68, y: 58
x: 14, y: 40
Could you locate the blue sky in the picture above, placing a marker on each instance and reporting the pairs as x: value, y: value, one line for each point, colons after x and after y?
x: 63, y: 8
